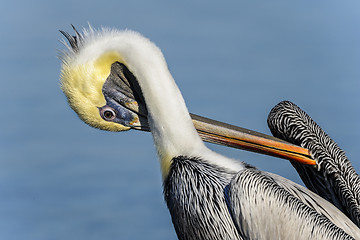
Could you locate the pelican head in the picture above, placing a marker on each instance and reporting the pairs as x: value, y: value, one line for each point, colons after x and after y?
x: 98, y: 85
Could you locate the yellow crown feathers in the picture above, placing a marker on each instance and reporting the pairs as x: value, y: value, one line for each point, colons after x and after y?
x: 83, y: 74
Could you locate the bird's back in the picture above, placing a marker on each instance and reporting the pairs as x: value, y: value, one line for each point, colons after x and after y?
x: 194, y: 193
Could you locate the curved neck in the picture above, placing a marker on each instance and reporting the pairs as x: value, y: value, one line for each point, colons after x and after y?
x: 171, y: 126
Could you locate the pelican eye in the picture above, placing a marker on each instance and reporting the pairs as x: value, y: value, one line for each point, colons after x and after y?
x: 107, y: 113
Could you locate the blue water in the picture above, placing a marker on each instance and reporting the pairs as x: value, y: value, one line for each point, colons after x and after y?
x: 233, y: 61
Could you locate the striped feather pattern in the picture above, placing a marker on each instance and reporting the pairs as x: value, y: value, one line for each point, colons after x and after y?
x: 334, y: 179
x: 262, y: 209
x: 194, y: 193
x: 207, y: 201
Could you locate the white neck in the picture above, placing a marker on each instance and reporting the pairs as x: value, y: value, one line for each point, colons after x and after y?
x: 171, y: 126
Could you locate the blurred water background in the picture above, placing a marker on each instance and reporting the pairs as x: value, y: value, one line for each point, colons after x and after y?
x: 233, y: 61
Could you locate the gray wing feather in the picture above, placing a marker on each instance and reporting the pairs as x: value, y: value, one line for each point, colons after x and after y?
x: 335, y: 179
x: 263, y: 206
x: 319, y: 204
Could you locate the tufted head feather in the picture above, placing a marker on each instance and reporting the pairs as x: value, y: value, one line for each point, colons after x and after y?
x: 85, y: 66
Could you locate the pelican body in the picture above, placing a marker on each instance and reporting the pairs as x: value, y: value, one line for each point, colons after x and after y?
x: 119, y: 80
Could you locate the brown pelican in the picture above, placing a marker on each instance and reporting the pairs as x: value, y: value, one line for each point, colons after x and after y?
x: 117, y: 80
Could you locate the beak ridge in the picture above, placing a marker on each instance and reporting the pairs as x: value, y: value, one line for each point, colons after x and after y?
x: 237, y: 137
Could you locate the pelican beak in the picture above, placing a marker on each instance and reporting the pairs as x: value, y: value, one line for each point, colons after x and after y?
x: 232, y: 136
x: 124, y: 96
